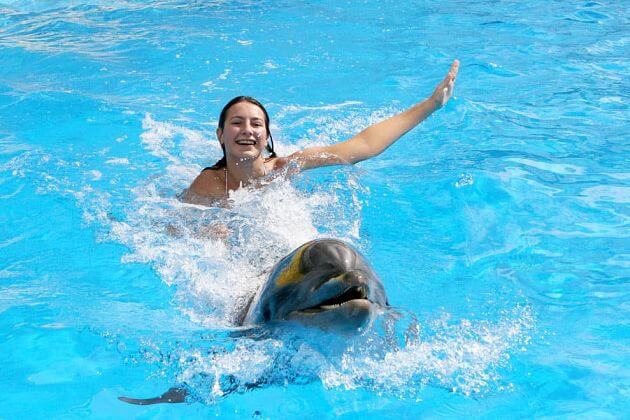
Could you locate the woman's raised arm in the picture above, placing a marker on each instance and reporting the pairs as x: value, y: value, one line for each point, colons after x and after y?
x: 375, y: 139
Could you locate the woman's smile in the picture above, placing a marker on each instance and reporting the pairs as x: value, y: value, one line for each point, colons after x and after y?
x: 246, y: 142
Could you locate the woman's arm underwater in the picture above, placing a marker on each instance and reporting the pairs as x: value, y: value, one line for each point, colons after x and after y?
x: 375, y: 139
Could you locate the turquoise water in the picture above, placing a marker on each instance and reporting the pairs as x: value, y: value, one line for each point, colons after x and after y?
x: 499, y: 226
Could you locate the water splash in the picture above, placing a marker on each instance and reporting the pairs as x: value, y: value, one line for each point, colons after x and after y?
x: 462, y: 356
x: 213, y: 273
x: 397, y: 356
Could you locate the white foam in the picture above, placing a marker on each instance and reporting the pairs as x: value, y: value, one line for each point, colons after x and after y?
x: 174, y: 143
x: 95, y: 174
x: 462, y: 356
x: 465, y: 179
x: 329, y: 107
x: 117, y: 161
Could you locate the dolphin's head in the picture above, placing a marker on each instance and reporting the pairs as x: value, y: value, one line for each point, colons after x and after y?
x: 325, y: 283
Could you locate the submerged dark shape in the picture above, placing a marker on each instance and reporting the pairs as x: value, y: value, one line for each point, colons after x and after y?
x: 325, y: 283
x: 173, y: 395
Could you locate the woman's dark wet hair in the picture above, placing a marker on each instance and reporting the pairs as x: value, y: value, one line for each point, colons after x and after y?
x: 221, y: 163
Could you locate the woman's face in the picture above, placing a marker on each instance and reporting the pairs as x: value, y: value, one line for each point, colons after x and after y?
x: 244, y: 134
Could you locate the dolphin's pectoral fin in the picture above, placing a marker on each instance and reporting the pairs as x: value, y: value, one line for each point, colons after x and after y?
x: 173, y: 395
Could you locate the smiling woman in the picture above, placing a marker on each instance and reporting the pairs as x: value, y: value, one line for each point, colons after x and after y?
x: 244, y: 134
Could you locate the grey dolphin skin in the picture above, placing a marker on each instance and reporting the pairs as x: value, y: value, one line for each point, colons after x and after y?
x: 325, y: 283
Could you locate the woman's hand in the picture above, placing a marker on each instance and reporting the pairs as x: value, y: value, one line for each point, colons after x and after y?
x: 376, y: 138
x: 444, y: 90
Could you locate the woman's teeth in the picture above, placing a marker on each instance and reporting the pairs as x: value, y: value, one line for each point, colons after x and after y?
x: 246, y: 142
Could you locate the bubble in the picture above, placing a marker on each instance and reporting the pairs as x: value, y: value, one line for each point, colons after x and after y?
x: 464, y: 180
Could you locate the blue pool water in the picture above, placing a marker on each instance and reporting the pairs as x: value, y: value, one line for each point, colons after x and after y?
x: 499, y: 226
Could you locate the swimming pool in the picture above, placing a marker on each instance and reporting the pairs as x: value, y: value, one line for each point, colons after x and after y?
x: 499, y: 227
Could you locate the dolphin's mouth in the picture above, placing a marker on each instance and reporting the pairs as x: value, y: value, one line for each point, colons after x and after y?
x: 353, y: 293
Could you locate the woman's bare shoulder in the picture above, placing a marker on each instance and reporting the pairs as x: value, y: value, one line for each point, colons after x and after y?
x: 209, y: 183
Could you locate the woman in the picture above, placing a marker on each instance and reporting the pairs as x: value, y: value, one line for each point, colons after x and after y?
x: 244, y: 134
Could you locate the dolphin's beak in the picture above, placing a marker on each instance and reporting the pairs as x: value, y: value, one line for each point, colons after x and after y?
x: 349, y: 294
x: 348, y: 316
x: 339, y: 301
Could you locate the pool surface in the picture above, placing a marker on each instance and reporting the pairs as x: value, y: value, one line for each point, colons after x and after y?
x: 499, y: 226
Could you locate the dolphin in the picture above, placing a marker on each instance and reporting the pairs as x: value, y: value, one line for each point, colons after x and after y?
x: 325, y: 283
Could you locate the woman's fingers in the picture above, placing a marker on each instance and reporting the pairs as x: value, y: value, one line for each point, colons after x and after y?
x: 444, y: 90
x: 452, y: 73
x: 454, y: 68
